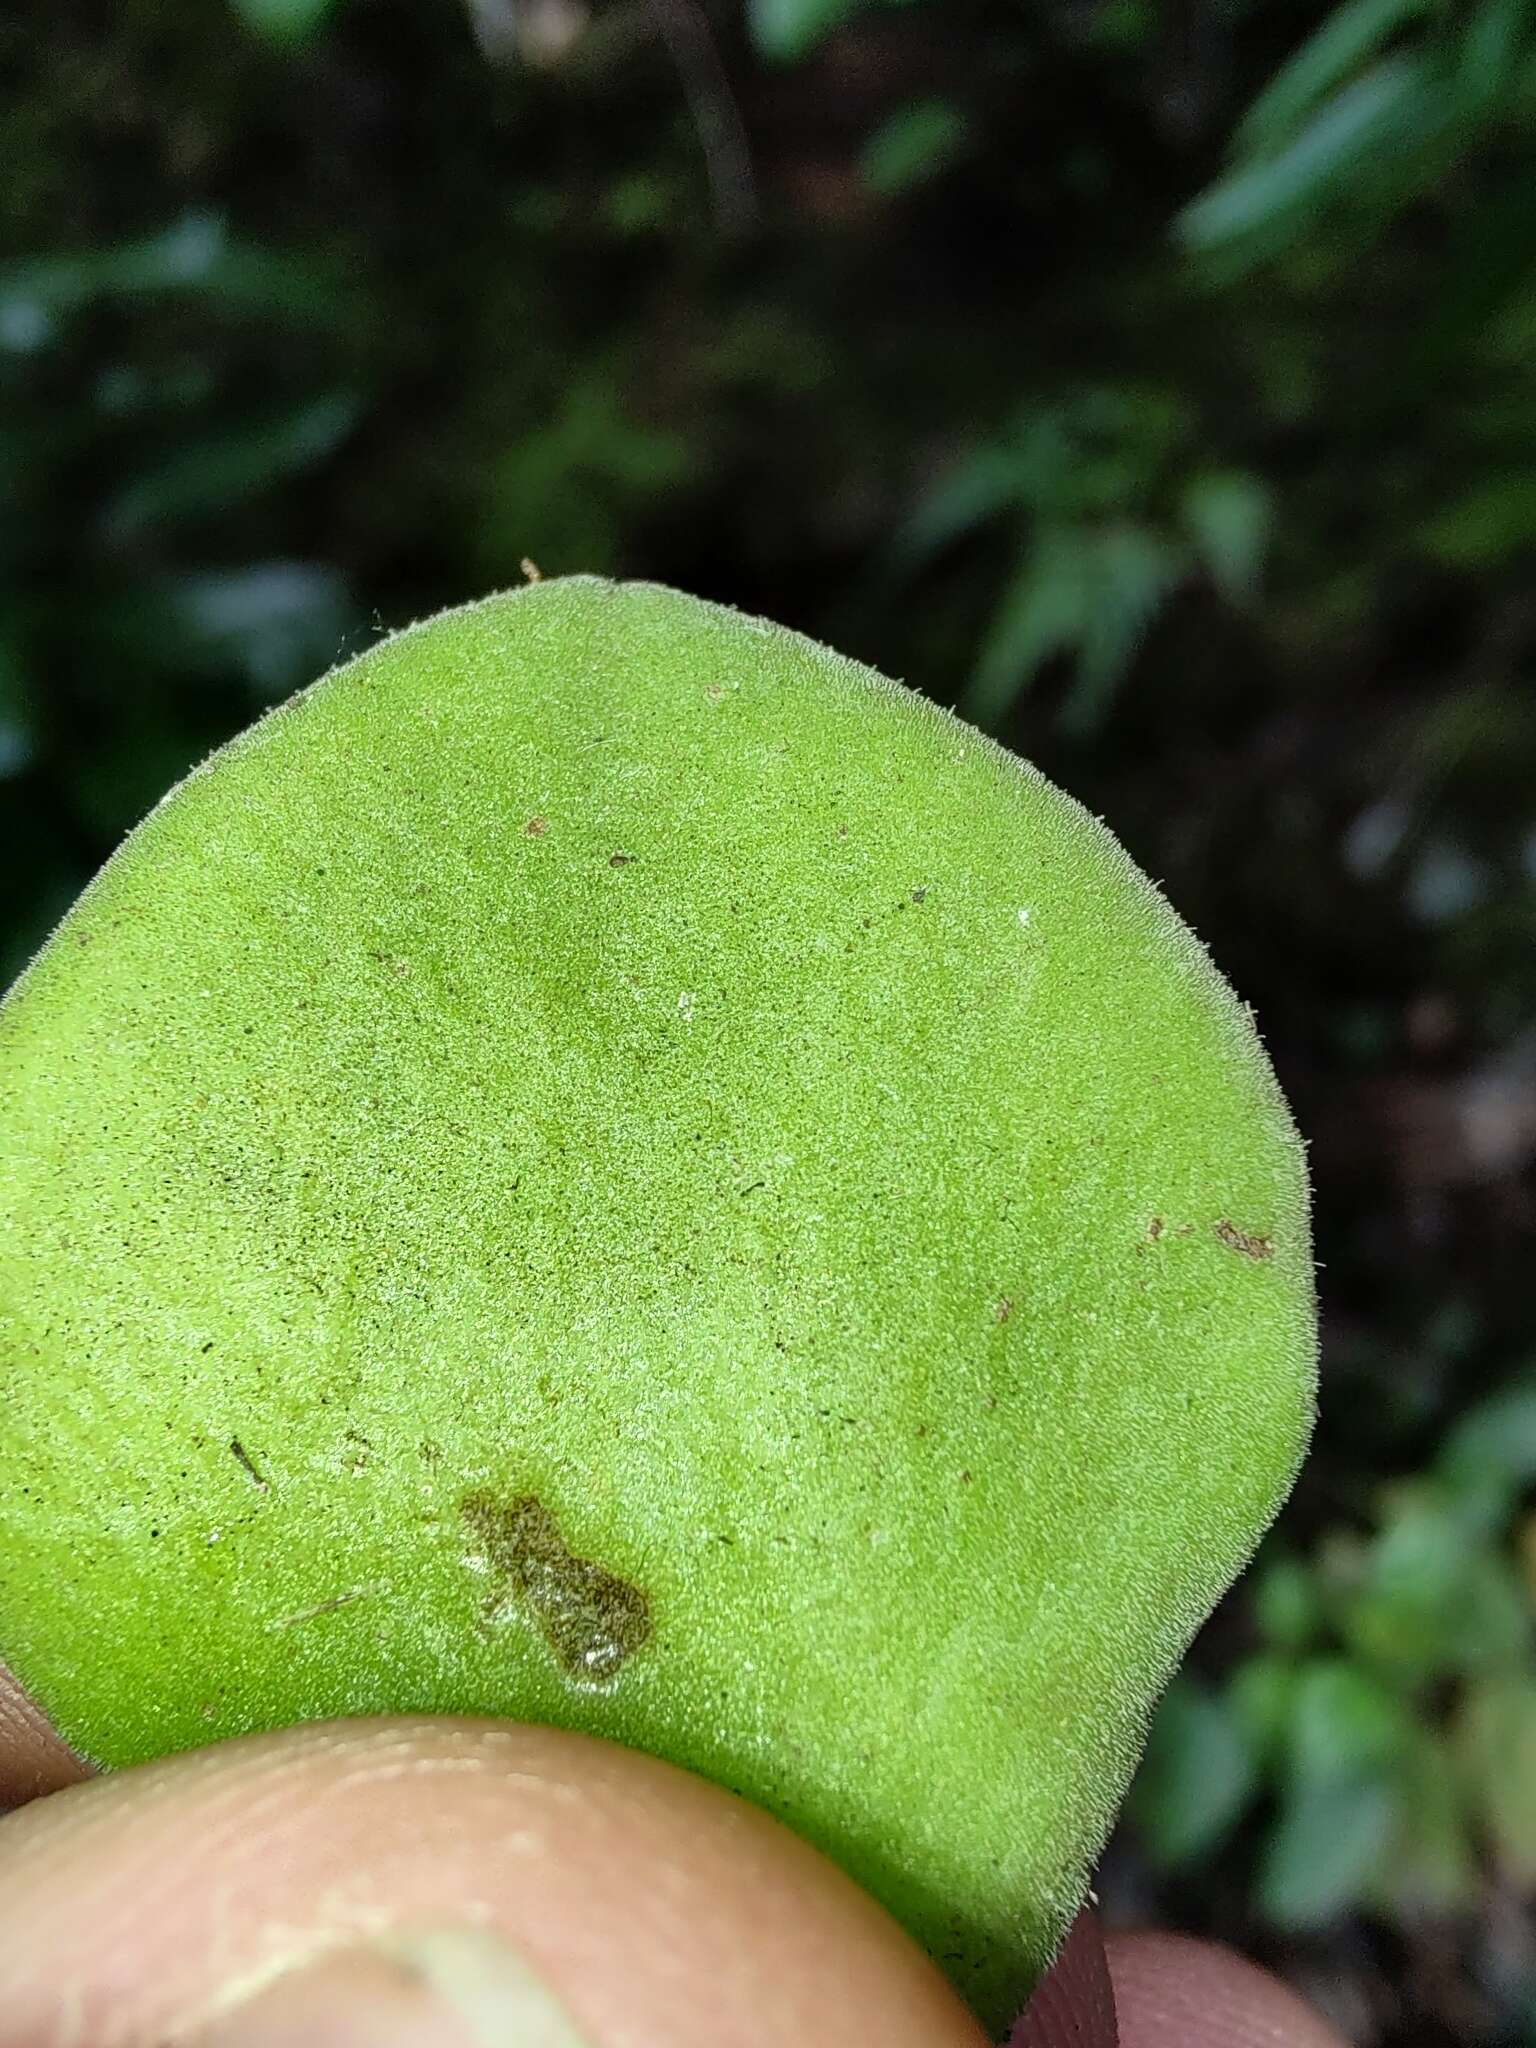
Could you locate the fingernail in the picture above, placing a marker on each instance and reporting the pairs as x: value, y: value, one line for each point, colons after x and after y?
x: 447, y: 1988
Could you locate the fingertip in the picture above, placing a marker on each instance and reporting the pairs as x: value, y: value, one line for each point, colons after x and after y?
x: 654, y: 1906
x: 1175, y: 1992
x: 33, y: 1759
x: 1074, y: 2004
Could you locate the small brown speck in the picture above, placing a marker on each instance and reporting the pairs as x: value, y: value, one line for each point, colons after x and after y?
x: 1155, y: 1229
x: 536, y: 828
x: 242, y: 1458
x: 965, y: 1478
x: 1002, y: 1309
x: 918, y: 895
x: 620, y: 860
x: 320, y: 1608
x: 1247, y: 1242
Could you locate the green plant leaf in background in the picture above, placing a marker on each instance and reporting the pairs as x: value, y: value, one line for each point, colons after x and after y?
x: 787, y: 30
x: 1285, y: 1604
x: 1349, y: 36
x: 287, y: 23
x: 1496, y: 1745
x: 1340, y: 1794
x: 1491, y: 522
x: 1268, y: 201
x: 216, y: 471
x: 913, y: 146
x: 1370, y: 112
x: 1043, y: 612
x: 1427, y: 1865
x: 276, y: 623
x: 1197, y: 1775
x: 1228, y: 515
x: 195, y: 255
x: 1089, y: 592
x: 1489, y: 1458
x: 1261, y: 1695
x: 1431, y: 1601
x: 1490, y: 55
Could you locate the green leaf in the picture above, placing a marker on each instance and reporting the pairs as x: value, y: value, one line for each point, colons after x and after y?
x: 1493, y: 48
x: 1494, y: 1446
x: 1285, y: 1604
x: 1390, y: 106
x: 968, y: 496
x: 1494, y: 257
x: 1261, y: 1695
x: 1325, y: 1848
x: 914, y: 145
x: 1346, y: 39
x: 1484, y: 528
x: 1340, y: 1798
x: 564, y: 1149
x: 1197, y: 1775
x: 287, y: 23
x: 787, y: 30
x: 212, y: 474
x: 1086, y: 591
x: 188, y: 253
x: 1496, y: 1743
x: 1130, y: 571
x: 1228, y: 514
x: 1044, y: 612
x: 1345, y: 1723
x: 1429, y: 1866
x: 277, y: 623
x: 195, y: 254
x: 1431, y: 1600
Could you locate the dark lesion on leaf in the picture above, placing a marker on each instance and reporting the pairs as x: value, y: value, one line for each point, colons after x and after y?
x: 593, y: 1620
x: 1247, y: 1242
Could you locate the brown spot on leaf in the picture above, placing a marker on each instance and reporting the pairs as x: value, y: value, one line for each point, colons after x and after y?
x: 593, y: 1620
x: 1155, y: 1229
x: 1002, y: 1309
x: 1247, y: 1242
x: 242, y: 1458
x: 536, y: 828
x: 620, y: 860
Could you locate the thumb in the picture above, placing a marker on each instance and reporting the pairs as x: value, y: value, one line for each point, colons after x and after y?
x: 441, y: 1884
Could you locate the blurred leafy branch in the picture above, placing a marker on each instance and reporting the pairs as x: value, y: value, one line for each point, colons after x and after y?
x: 1112, y: 514
x: 1385, y: 1725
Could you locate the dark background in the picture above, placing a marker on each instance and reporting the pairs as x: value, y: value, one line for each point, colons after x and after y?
x: 1156, y: 382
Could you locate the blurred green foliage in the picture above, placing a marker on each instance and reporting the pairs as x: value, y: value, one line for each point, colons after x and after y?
x: 1157, y: 381
x: 1386, y: 1715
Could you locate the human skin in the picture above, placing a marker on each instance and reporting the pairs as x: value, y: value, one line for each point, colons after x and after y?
x: 441, y: 1882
